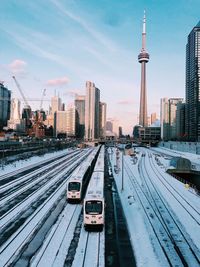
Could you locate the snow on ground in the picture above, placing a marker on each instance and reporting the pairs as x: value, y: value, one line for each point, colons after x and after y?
x: 192, y: 157
x: 189, y: 224
x: 54, y: 249
x: 28, y: 162
x: 138, y: 230
x: 144, y: 246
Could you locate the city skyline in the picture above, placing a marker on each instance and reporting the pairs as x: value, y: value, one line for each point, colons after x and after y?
x: 59, y: 47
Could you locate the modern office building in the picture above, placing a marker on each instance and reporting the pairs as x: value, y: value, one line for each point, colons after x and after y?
x: 15, y: 122
x: 180, y: 121
x: 143, y: 58
x: 80, y: 115
x: 192, y: 95
x: 5, y: 101
x: 64, y: 122
x: 71, y: 121
x: 168, y: 115
x: 92, y: 111
x: 15, y: 109
x: 164, y: 118
x: 56, y: 104
x: 102, y: 119
x: 60, y: 123
x: 173, y: 103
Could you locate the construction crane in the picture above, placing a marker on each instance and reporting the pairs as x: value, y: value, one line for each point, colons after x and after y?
x: 21, y: 92
x: 27, y: 108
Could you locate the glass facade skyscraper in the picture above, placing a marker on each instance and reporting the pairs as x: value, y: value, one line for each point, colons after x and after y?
x: 192, y: 111
x: 92, y: 111
x: 5, y: 102
x: 80, y: 116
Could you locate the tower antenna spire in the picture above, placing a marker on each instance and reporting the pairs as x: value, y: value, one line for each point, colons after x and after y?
x: 144, y: 32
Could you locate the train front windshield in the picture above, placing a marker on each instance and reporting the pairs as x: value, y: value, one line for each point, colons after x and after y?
x: 93, y: 207
x: 74, y: 186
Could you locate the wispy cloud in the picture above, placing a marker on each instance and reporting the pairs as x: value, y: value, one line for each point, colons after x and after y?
x: 35, y: 49
x: 17, y: 66
x: 57, y: 81
x: 93, y: 32
x: 98, y: 56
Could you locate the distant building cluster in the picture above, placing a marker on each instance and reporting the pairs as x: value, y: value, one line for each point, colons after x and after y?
x: 85, y: 119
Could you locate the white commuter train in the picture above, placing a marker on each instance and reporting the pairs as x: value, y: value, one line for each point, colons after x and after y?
x: 79, y: 179
x: 94, y: 204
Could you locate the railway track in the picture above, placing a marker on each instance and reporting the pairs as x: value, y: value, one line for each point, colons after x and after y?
x: 186, y: 205
x: 14, y: 245
x: 6, y: 178
x: 8, y: 191
x: 54, y: 249
x: 25, y: 196
x: 165, y: 246
x: 90, y: 250
x: 183, y: 244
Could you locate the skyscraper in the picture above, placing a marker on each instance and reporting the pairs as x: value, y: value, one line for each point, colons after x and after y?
x: 15, y: 109
x: 168, y: 118
x: 5, y: 96
x: 180, y: 121
x: 64, y: 122
x: 56, y: 104
x: 80, y: 115
x: 15, y: 122
x: 173, y: 103
x: 71, y: 120
x: 102, y: 119
x: 92, y: 111
x: 192, y: 111
x: 143, y: 58
x: 164, y: 118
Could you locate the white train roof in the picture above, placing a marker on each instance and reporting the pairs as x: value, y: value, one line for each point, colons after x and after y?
x: 99, y: 166
x: 96, y: 186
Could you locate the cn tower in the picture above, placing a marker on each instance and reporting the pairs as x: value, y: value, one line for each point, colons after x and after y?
x: 143, y: 58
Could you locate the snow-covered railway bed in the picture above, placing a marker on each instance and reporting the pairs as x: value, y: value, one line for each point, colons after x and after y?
x: 187, y: 251
x: 10, y: 176
x: 14, y: 218
x: 186, y: 204
x: 90, y: 250
x: 37, y: 175
x: 162, y: 242
x: 54, y: 249
x: 20, y: 196
x: 13, y: 249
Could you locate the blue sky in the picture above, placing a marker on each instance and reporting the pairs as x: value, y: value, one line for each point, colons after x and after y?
x: 60, y: 44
